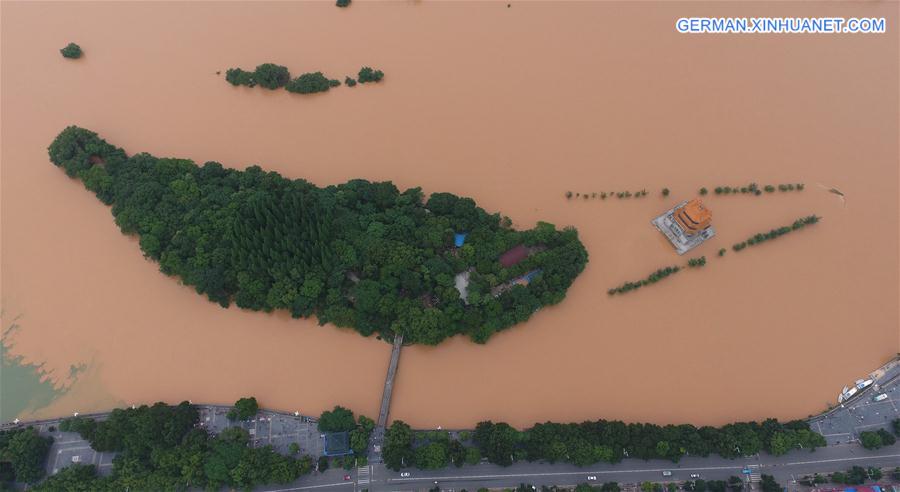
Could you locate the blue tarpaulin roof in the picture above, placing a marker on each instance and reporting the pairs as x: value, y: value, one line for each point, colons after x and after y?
x: 337, y: 444
x: 459, y: 238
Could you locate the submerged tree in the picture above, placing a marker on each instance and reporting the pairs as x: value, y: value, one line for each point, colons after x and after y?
x: 236, y: 76
x: 71, y: 50
x: 775, y: 233
x: 309, y: 83
x: 367, y: 74
x: 271, y: 76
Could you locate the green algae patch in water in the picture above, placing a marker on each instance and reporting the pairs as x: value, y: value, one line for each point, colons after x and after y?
x: 23, y: 387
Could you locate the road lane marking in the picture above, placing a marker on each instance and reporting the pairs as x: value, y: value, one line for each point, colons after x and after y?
x: 876, y: 424
x: 75, y: 449
x: 558, y: 474
x: 645, y: 470
x: 312, y: 487
x: 841, y: 459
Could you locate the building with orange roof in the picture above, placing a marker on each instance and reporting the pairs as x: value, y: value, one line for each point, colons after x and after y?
x: 687, y: 225
x: 693, y: 216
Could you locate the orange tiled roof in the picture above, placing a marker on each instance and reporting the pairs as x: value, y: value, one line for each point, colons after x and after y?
x: 693, y: 216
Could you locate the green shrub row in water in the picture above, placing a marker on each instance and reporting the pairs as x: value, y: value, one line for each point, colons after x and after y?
x: 272, y: 76
x: 774, y: 233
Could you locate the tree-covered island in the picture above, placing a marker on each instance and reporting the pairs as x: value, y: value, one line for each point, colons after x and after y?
x: 361, y: 255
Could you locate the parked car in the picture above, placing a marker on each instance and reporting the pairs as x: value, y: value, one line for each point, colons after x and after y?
x: 591, y: 477
x: 346, y: 477
x: 404, y: 474
x: 667, y: 473
x: 695, y: 475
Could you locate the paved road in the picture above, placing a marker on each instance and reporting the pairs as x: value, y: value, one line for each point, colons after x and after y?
x: 785, y: 469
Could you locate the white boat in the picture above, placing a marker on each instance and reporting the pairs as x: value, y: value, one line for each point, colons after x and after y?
x: 863, y: 383
x: 858, y: 385
x: 847, y: 394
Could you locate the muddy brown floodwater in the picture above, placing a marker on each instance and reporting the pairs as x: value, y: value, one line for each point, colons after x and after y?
x: 511, y: 106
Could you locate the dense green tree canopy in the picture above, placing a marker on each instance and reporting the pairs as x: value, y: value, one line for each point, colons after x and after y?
x: 876, y: 439
x: 338, y: 420
x: 271, y: 76
x: 398, y: 446
x: 432, y: 456
x: 73, y: 478
x: 160, y: 447
x: 361, y: 255
x: 856, y: 475
x: 71, y: 50
x: 309, y: 83
x: 243, y: 409
x: 605, y: 441
x: 268, y: 75
x: 237, y: 76
x: 768, y: 484
x: 26, y: 453
x: 368, y: 74
x: 496, y: 441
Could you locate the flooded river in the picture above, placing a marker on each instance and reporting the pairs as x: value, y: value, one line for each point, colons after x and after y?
x: 512, y: 106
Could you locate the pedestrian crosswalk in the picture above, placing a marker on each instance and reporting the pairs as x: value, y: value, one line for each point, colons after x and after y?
x: 362, y: 475
x: 754, y: 474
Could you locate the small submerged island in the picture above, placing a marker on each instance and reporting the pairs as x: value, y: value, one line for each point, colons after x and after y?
x: 360, y: 255
x: 272, y: 76
x: 71, y: 50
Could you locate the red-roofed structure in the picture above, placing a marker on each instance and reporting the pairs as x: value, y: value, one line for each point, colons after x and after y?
x: 514, y: 256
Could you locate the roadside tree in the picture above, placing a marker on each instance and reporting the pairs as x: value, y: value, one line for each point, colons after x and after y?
x: 768, y: 484
x: 243, y: 409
